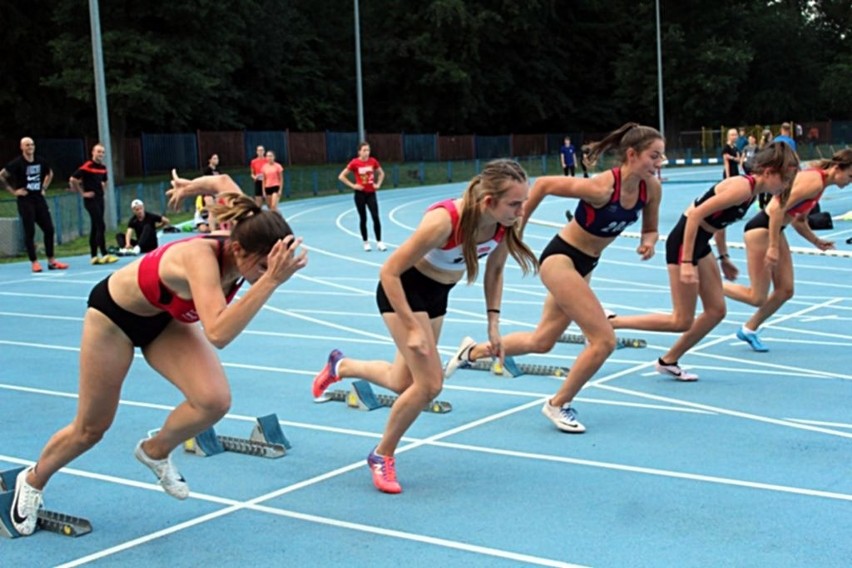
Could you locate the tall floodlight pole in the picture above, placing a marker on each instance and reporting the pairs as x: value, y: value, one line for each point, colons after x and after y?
x: 361, y: 134
x: 660, y: 73
x: 102, y: 110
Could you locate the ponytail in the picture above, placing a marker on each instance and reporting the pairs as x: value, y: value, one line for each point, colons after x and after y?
x: 630, y: 135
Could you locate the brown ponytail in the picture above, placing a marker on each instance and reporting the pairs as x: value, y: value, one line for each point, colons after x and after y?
x: 630, y: 135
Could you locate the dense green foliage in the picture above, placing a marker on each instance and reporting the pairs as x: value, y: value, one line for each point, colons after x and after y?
x: 452, y: 66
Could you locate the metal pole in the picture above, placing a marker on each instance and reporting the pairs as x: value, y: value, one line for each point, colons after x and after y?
x: 102, y: 110
x: 660, y: 73
x: 361, y: 134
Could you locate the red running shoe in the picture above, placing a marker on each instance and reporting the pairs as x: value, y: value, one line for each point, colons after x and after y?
x: 327, y: 377
x: 384, y: 472
x: 36, y: 266
x: 56, y: 265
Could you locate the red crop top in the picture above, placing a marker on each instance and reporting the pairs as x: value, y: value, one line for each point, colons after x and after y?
x: 160, y: 296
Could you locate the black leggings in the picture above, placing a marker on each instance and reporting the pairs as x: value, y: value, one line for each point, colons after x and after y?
x: 97, y: 238
x: 364, y: 200
x: 34, y: 211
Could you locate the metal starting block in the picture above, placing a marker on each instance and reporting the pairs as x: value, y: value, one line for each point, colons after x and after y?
x: 51, y: 521
x: 620, y: 342
x: 362, y: 397
x: 267, y: 440
x: 512, y: 369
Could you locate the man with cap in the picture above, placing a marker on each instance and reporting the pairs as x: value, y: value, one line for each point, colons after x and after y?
x: 144, y: 225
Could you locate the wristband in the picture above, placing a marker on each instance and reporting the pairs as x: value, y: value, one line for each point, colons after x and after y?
x: 492, y: 311
x: 722, y: 257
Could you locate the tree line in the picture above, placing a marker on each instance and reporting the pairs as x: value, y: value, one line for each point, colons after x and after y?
x: 449, y: 66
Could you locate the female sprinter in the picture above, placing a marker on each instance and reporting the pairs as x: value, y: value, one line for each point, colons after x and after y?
x: 609, y: 203
x: 154, y: 304
x: 412, y: 295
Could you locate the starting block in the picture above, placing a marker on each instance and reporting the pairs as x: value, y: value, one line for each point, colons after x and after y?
x: 362, y: 397
x: 512, y: 369
x: 51, y: 521
x: 620, y: 342
x: 267, y: 440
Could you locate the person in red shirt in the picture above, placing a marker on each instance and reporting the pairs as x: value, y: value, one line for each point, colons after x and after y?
x: 369, y: 175
x: 256, y: 165
x: 155, y: 304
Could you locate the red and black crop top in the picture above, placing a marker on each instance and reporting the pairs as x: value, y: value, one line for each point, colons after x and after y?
x: 804, y: 206
x: 160, y: 296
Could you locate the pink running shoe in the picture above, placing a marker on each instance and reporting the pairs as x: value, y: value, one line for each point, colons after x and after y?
x: 327, y: 377
x: 384, y: 472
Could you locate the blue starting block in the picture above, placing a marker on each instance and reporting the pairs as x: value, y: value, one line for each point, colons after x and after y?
x: 51, y: 521
x: 267, y: 440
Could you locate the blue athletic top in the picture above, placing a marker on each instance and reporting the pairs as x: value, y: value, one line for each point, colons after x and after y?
x: 611, y: 219
x: 723, y: 218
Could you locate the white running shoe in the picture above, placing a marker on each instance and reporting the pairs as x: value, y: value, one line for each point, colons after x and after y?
x: 381, y: 246
x: 169, y: 477
x: 367, y: 247
x: 25, y: 505
x: 461, y: 358
x: 674, y: 370
x: 563, y: 417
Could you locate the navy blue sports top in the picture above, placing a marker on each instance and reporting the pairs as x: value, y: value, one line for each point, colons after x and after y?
x: 723, y: 218
x: 611, y: 219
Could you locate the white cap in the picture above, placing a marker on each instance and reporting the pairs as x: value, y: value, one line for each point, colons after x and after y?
x: 136, y: 203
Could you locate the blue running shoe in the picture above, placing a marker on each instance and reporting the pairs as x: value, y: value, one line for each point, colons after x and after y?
x: 752, y: 339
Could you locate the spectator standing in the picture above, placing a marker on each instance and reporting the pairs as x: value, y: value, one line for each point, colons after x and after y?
x: 273, y: 179
x: 566, y: 155
x: 256, y: 166
x: 212, y: 168
x: 369, y: 176
x: 785, y: 136
x: 89, y: 180
x: 742, y: 140
x: 747, y: 155
x: 27, y: 177
x: 730, y: 156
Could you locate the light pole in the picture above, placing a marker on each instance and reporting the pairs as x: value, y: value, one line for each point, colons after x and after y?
x: 361, y: 134
x: 102, y: 110
x: 660, y: 73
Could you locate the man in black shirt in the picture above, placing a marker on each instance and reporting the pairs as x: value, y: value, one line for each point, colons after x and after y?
x: 27, y: 177
x: 145, y: 226
x: 89, y: 181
